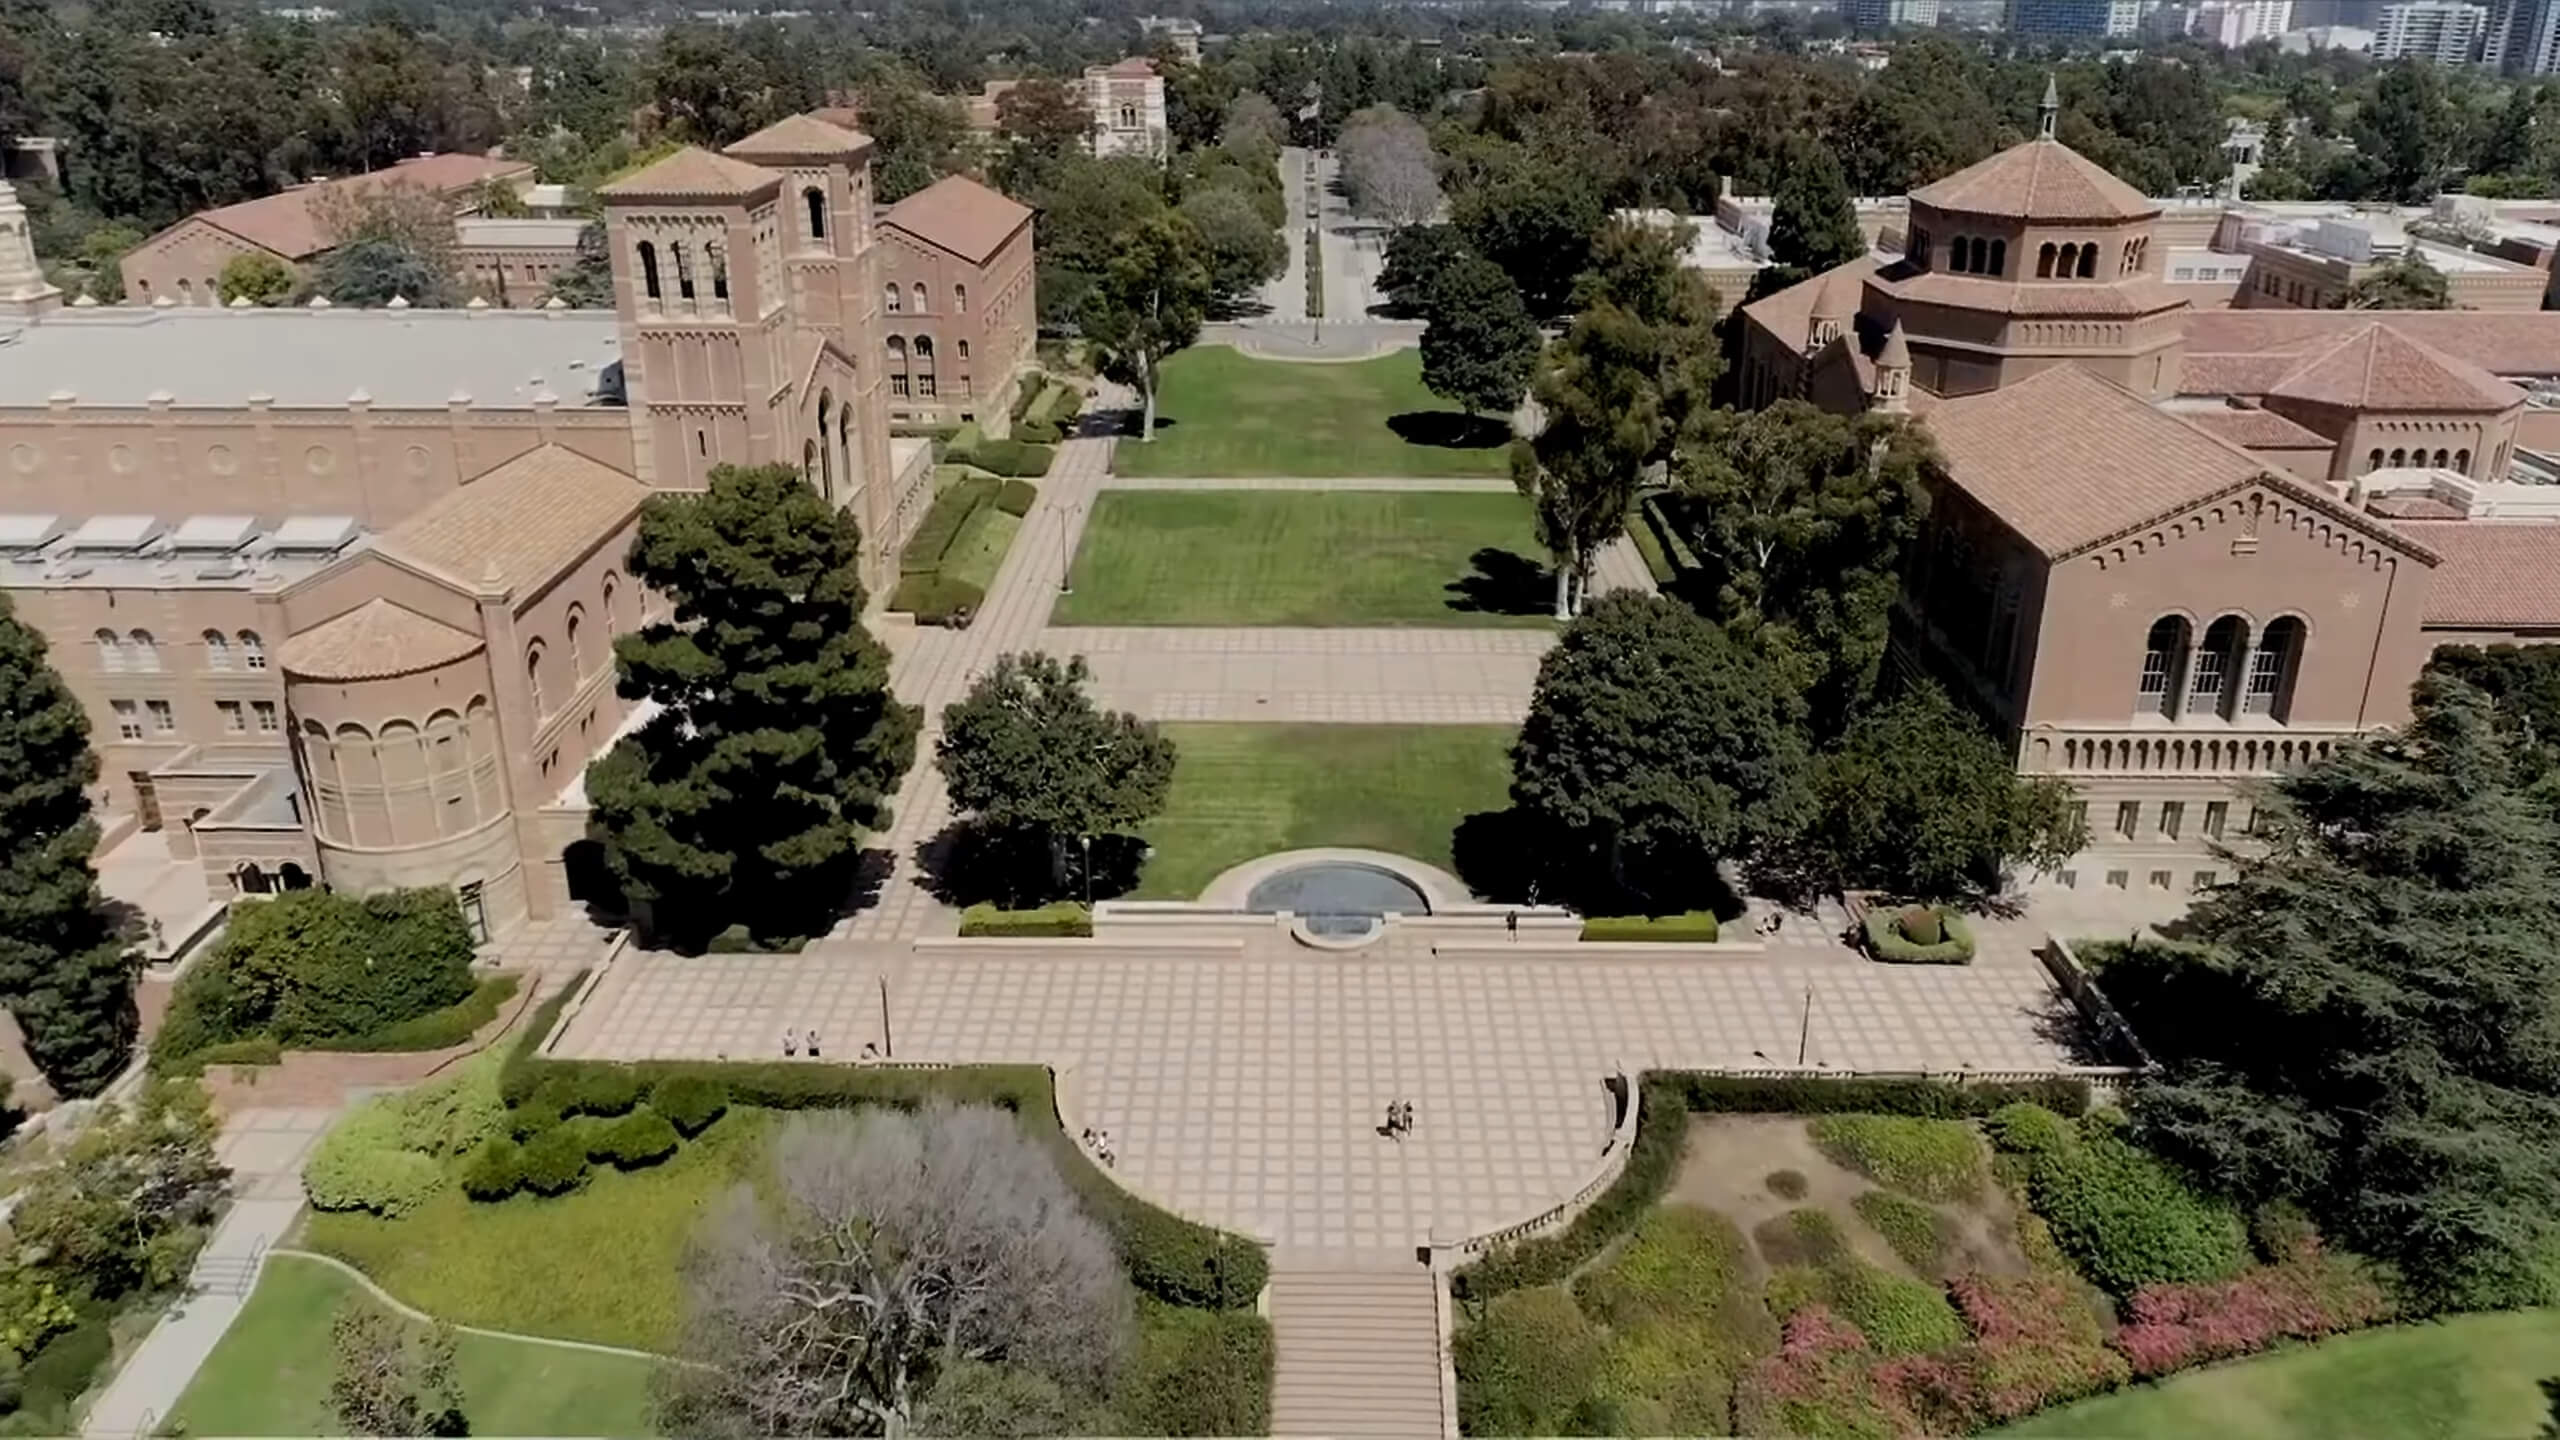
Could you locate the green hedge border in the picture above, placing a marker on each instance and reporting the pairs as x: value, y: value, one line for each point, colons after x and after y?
x: 1670, y: 1097
x: 940, y: 529
x: 1062, y: 917
x: 1885, y: 943
x: 1169, y: 1257
x: 1691, y: 927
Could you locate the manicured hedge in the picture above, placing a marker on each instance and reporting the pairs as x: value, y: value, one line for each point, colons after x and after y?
x: 256, y: 1050
x: 938, y: 599
x: 1016, y: 497
x: 1026, y: 394
x: 1169, y: 1257
x: 555, y: 1163
x: 361, y: 1165
x: 942, y: 524
x: 494, y: 1171
x: 1007, y: 457
x: 1062, y: 917
x: 1885, y: 940
x: 1693, y: 927
x: 437, y: 1029
x: 314, y: 967
x: 941, y: 431
x: 1670, y: 1096
x: 690, y: 1102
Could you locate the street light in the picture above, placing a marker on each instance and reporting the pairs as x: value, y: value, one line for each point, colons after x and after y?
x: 1066, y: 561
x: 1088, y: 872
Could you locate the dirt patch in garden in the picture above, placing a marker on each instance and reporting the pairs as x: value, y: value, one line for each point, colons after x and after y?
x: 1731, y: 1160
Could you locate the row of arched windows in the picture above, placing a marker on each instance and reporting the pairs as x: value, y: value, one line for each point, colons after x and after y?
x: 831, y: 453
x: 2400, y: 459
x: 2067, y: 261
x: 579, y: 644
x: 1972, y: 255
x: 139, y: 651
x: 911, y: 367
x: 401, y: 783
x: 893, y: 300
x: 652, y: 285
x: 2223, y: 675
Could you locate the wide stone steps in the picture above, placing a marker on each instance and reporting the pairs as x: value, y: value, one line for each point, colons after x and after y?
x: 1358, y: 1352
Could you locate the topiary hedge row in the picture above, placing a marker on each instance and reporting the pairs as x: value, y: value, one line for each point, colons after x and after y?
x: 1168, y: 1257
x: 1695, y: 927
x: 1006, y: 457
x: 1016, y: 497
x: 940, y: 529
x: 1669, y: 1097
x: 1060, y: 917
x: 1891, y: 937
x: 938, y: 599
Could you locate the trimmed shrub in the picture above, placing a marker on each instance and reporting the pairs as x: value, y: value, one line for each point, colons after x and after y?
x: 1524, y: 1363
x: 2035, y: 1344
x: 1015, y: 497
x: 1059, y: 917
x: 313, y: 967
x: 603, y: 1090
x: 1786, y: 1184
x: 642, y: 1137
x: 1932, y: 1159
x: 942, y: 524
x: 690, y: 1102
x: 1898, y: 1316
x: 361, y: 1165
x: 555, y: 1163
x: 1036, y: 432
x: 1017, y: 458
x: 1887, y: 941
x: 453, y: 1115
x: 938, y: 599
x: 494, y: 1171
x: 257, y: 1050
x: 443, y: 1029
x: 1922, y: 1237
x: 1032, y: 387
x: 1197, y: 1372
x: 1694, y: 927
x: 1919, y: 925
x: 531, y: 1119
x: 2170, y: 1327
x: 2125, y: 1218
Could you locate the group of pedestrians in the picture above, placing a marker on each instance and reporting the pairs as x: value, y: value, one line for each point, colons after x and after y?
x: 1399, y: 1120
x: 1099, y: 1142
x: 793, y: 1039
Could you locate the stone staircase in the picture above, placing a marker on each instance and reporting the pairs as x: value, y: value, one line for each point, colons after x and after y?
x: 1357, y: 1342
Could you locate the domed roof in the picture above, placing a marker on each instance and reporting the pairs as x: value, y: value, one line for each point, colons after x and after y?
x: 2040, y: 180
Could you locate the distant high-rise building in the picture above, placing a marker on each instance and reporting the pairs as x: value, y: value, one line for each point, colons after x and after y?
x: 2523, y: 37
x: 2076, y: 17
x: 1885, y: 14
x: 2234, y: 23
x: 2445, y: 31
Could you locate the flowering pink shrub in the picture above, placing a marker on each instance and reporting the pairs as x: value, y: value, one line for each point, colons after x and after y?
x: 2170, y: 1327
x: 2036, y: 1344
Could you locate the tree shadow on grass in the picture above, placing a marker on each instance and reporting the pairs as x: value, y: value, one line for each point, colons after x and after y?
x: 1513, y: 857
x: 1450, y: 430
x: 967, y: 864
x: 1134, y: 419
x: 1504, y: 582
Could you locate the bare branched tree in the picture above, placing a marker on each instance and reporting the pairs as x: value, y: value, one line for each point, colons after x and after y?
x: 890, y: 1244
x: 1389, y: 168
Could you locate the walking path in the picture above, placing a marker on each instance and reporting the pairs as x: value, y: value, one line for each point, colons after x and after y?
x: 1357, y: 1347
x: 1415, y: 676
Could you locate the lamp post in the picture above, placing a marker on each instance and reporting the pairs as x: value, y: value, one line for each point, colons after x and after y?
x: 1066, y: 560
x: 1088, y: 873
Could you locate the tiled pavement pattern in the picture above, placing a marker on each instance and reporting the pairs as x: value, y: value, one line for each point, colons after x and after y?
x: 1453, y: 484
x: 653, y: 1004
x: 558, y: 947
x: 1417, y: 676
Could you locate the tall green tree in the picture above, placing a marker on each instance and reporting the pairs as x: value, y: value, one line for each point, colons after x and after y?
x: 256, y: 276
x: 1039, y: 123
x: 1036, y: 766
x: 2369, y: 1021
x: 2410, y: 129
x: 1801, y: 518
x: 776, y: 744
x: 917, y: 137
x: 63, y: 973
x: 2405, y: 283
x: 1237, y: 245
x: 1812, y: 224
x: 1655, y: 746
x: 1537, y: 221
x: 1479, y: 346
x: 392, y: 1377
x: 587, y: 284
x: 1148, y: 304
x: 1082, y: 219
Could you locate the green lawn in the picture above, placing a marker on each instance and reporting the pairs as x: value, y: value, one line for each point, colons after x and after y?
x: 978, y: 552
x: 597, y: 1264
x: 1309, y: 557
x: 269, y: 1374
x: 1245, y: 790
x: 1220, y: 412
x: 2470, y: 1375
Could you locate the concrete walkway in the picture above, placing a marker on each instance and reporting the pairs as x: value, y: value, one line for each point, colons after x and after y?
x: 265, y: 1150
x: 1456, y: 484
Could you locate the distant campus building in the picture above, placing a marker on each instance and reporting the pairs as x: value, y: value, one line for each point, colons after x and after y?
x: 338, y: 588
x: 2176, y: 548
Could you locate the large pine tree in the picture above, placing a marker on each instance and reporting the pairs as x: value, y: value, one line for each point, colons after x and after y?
x: 62, y: 971
x: 777, y: 745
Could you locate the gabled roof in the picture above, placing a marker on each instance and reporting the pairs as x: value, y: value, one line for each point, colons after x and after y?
x: 2070, y: 460
x: 285, y: 223
x: 798, y: 137
x: 375, y: 641
x: 960, y: 215
x: 2134, y: 295
x: 2502, y: 342
x: 2377, y: 368
x: 2042, y: 179
x: 2256, y: 429
x: 693, y: 173
x: 1788, y: 314
x: 2494, y: 574
x: 520, y: 524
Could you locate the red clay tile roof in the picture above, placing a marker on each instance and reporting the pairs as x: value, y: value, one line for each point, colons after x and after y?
x: 1788, y: 313
x: 2493, y: 574
x: 285, y: 224
x: 2378, y: 368
x: 693, y: 173
x: 960, y: 215
x: 2235, y: 374
x: 2069, y: 460
x: 2502, y: 342
x: 797, y: 137
x: 2256, y: 429
x: 1132, y: 68
x: 2138, y: 295
x: 375, y: 641
x: 2039, y: 180
x: 524, y: 522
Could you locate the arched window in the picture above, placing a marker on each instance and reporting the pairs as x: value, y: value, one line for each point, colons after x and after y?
x: 612, y: 615
x: 921, y: 307
x: 897, y: 361
x: 1981, y: 255
x: 895, y: 301
x: 2271, y: 670
x: 2441, y: 459
x: 816, y: 201
x: 649, y: 270
x: 964, y: 348
x: 110, y: 650
x: 718, y: 260
x: 250, y: 879
x: 684, y: 270
x: 2399, y: 459
x: 959, y: 299
x: 2462, y: 461
x: 809, y: 465
x: 2044, y: 261
x: 217, y: 651
x: 2070, y: 261
x: 2088, y: 262
x: 577, y: 652
x: 253, y: 651
x: 2164, y: 659
x: 826, y: 453
x: 2373, y: 461
x: 533, y: 677
x: 146, y: 651
x: 925, y: 387
x: 186, y: 291
x: 1999, y: 257
x: 2225, y: 641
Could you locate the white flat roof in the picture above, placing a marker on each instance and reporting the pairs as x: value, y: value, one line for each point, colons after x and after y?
x: 214, y: 532
x: 410, y: 359
x: 114, y: 532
